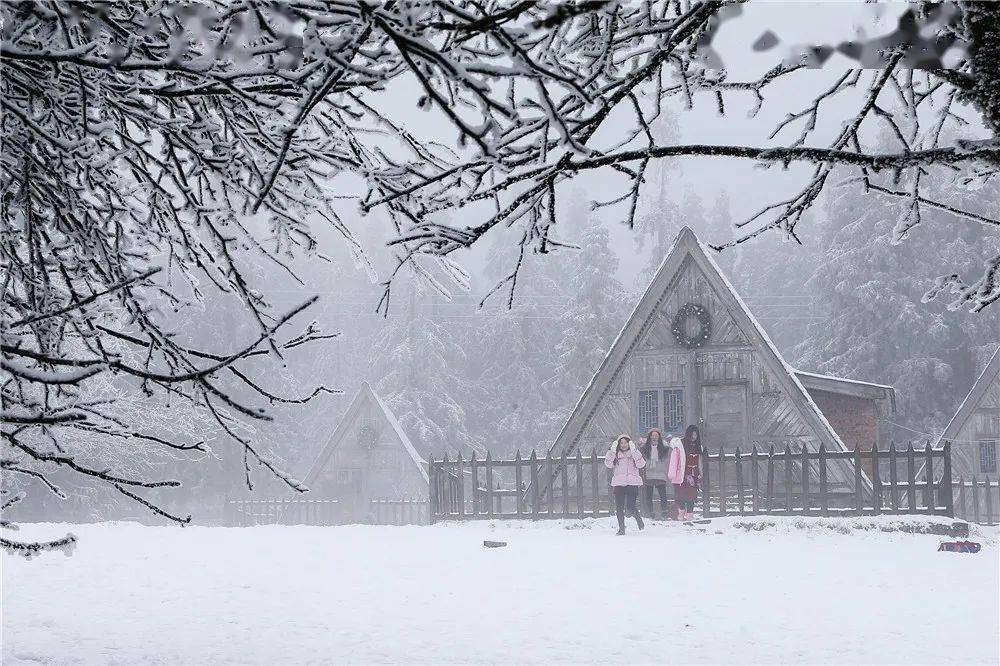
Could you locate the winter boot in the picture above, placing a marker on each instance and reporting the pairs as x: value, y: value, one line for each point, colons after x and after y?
x: 621, y: 525
x: 620, y: 532
x: 638, y: 521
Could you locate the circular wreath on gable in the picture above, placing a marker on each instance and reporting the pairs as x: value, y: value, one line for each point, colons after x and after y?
x: 701, y: 336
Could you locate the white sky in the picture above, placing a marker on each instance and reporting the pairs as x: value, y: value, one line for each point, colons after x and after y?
x: 748, y: 186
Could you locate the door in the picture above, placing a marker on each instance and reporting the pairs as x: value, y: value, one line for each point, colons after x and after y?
x: 348, y: 491
x: 724, y: 421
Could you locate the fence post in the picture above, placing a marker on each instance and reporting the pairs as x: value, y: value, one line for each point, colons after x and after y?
x: 593, y: 482
x: 476, y: 495
x: 545, y: 472
x: 911, y: 478
x: 519, y: 497
x: 489, y: 483
x: 893, y: 500
x: 756, y: 482
x: 805, y: 480
x: 739, y: 480
x: 579, y: 483
x: 446, y: 490
x: 431, y: 490
x: 975, y: 500
x: 824, y: 499
x: 989, y: 501
x: 949, y: 499
x: 534, y: 484
x: 876, y: 482
x: 706, y: 488
x: 788, y: 480
x: 961, y: 505
x: 722, y: 481
x: 770, y: 479
x: 929, y: 466
x: 857, y: 479
x: 460, y: 473
x: 565, y: 486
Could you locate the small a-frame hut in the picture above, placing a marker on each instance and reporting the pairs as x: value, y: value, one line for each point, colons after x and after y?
x: 692, y: 352
x: 367, y: 459
x: 974, y: 431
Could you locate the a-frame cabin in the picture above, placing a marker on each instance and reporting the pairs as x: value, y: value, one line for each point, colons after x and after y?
x: 974, y: 431
x: 367, y: 457
x: 691, y: 352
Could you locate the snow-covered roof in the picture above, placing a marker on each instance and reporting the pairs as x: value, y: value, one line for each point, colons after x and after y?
x: 968, y: 406
x: 687, y: 245
x: 366, y: 392
x: 852, y: 387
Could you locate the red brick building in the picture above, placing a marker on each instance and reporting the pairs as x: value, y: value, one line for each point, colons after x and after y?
x: 852, y: 407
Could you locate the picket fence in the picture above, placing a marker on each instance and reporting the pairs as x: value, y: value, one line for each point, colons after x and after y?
x: 757, y: 482
x: 381, y: 511
x: 978, y: 500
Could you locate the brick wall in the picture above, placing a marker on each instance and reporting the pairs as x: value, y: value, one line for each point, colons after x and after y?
x: 854, y: 419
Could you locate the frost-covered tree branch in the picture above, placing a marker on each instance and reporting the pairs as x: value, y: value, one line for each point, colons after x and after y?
x: 153, y: 152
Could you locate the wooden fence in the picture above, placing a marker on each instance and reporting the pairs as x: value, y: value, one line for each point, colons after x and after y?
x: 399, y: 512
x: 475, y: 489
x: 978, y: 500
x: 743, y: 483
x: 797, y: 482
x: 249, y: 512
x: 381, y: 511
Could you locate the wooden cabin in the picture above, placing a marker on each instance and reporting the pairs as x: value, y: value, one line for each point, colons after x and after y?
x: 974, y: 431
x: 692, y: 352
x: 370, y: 466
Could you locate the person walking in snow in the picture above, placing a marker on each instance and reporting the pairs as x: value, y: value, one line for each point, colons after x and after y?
x: 625, y: 461
x: 688, y: 480
x: 656, y: 454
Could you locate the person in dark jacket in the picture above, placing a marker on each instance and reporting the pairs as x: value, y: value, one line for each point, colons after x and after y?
x: 686, y: 493
x: 657, y: 455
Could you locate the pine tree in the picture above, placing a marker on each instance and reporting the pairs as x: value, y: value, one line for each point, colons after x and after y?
x: 420, y: 362
x: 874, y: 325
x: 513, y: 358
x: 597, y: 308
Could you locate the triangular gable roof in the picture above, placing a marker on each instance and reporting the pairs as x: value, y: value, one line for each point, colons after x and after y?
x: 364, y: 393
x: 968, y: 406
x: 685, y: 246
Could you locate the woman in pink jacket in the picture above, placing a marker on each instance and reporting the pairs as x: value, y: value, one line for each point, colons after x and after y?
x: 625, y: 461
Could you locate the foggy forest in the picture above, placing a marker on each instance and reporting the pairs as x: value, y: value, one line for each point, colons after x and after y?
x: 233, y: 231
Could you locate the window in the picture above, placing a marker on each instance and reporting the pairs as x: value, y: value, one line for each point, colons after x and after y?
x: 988, y: 456
x: 673, y: 410
x: 649, y: 410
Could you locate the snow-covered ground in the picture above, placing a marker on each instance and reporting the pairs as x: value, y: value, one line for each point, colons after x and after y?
x: 559, y: 593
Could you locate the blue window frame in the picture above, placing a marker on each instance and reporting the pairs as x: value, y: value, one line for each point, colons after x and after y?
x: 988, y: 456
x: 673, y: 410
x: 649, y: 410
x: 661, y: 408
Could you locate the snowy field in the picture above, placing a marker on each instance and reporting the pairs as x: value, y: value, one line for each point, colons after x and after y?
x: 559, y: 593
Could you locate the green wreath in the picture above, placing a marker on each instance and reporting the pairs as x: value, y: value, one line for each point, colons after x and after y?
x: 699, y: 339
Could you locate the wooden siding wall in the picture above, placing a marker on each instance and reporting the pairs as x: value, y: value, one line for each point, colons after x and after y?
x: 982, y: 424
x: 728, y: 358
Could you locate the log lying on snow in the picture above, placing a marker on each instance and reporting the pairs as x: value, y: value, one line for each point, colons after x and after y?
x: 494, y: 544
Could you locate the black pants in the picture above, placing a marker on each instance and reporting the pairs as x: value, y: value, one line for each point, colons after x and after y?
x: 661, y: 489
x: 625, y: 497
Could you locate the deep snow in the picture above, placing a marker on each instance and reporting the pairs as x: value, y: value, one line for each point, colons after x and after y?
x: 560, y: 592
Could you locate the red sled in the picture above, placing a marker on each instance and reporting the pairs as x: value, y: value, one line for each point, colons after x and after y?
x: 960, y: 546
